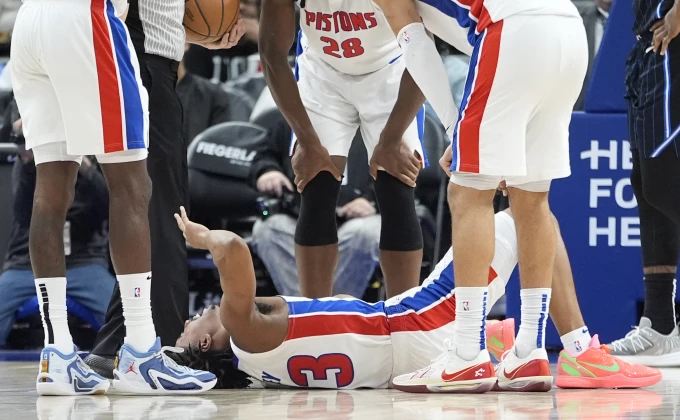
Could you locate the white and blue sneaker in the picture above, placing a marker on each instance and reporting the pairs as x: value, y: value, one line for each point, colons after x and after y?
x: 155, y: 373
x: 67, y: 374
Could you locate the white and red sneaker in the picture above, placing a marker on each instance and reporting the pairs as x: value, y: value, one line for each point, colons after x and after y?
x: 450, y: 374
x: 529, y: 374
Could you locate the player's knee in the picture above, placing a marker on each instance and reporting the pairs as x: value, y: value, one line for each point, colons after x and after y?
x: 129, y: 182
x: 316, y: 224
x: 665, y: 200
x: 400, y: 226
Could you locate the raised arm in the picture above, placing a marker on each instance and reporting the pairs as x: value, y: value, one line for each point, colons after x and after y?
x: 251, y: 330
x: 422, y: 60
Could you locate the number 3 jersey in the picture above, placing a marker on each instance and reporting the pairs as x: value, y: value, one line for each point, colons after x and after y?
x: 352, y: 36
x: 349, y: 343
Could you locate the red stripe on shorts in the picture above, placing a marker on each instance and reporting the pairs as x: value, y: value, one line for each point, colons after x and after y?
x: 107, y: 74
x: 439, y: 315
x: 470, y: 125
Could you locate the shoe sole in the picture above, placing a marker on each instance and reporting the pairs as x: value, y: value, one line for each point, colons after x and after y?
x: 454, y: 387
x: 64, y: 389
x: 525, y: 384
x: 662, y: 360
x: 123, y: 386
x: 609, y: 382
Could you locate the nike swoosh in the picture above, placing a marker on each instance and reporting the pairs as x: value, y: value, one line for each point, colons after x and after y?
x: 448, y: 377
x: 613, y: 368
x: 511, y: 374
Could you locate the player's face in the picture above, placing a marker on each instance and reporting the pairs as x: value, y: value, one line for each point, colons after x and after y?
x: 205, y: 330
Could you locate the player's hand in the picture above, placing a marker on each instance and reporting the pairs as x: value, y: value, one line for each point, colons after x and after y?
x: 665, y: 30
x: 398, y: 160
x: 309, y: 161
x: 273, y: 182
x: 194, y: 233
x: 359, y: 207
x: 446, y: 160
x: 229, y: 40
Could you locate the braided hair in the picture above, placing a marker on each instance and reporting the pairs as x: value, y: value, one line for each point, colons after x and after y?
x: 220, y: 363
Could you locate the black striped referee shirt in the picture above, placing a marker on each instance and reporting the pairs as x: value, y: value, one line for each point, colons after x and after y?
x: 156, y: 27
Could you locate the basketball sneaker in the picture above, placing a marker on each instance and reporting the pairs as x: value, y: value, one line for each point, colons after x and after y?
x: 450, y: 374
x: 531, y: 373
x: 67, y: 374
x: 500, y: 337
x: 646, y: 346
x: 154, y: 372
x: 596, y: 368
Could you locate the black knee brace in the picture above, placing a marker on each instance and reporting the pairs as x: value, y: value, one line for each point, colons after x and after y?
x: 317, y: 224
x: 400, y: 227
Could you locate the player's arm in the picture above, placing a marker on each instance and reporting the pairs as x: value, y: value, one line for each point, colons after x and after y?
x: 422, y: 60
x: 277, y: 34
x: 251, y: 330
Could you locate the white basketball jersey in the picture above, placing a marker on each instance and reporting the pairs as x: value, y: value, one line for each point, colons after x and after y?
x: 331, y: 343
x: 352, y: 36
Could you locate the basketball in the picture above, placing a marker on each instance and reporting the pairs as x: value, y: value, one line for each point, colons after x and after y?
x: 209, y: 20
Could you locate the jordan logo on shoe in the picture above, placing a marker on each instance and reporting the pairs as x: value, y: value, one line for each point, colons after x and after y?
x: 131, y: 369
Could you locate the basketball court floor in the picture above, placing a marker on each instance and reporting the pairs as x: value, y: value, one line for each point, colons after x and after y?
x: 18, y: 401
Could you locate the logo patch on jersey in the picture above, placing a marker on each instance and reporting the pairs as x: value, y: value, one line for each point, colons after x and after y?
x: 466, y: 305
x: 138, y: 292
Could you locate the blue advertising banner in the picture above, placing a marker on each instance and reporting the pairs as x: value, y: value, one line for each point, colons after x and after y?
x: 597, y: 212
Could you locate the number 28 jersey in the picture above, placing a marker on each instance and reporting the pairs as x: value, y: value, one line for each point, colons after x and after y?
x: 352, y: 36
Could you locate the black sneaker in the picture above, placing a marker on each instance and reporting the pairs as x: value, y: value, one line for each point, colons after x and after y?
x: 101, y: 365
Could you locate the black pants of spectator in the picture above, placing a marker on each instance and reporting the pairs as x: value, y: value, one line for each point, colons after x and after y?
x: 167, y: 166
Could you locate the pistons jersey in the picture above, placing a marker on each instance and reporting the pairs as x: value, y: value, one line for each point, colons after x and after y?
x: 331, y: 343
x: 352, y: 36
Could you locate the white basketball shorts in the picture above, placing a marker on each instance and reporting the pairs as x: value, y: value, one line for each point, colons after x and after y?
x: 526, y: 73
x: 338, y: 104
x: 76, y: 80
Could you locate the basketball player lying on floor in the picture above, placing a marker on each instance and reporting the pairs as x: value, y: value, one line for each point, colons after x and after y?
x: 344, y: 342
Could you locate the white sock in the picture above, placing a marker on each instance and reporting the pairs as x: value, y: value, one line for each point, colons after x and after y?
x: 469, y: 333
x: 531, y: 335
x: 52, y: 299
x: 576, y: 342
x: 135, y: 290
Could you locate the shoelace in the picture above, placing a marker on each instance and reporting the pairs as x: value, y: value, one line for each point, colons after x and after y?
x: 621, y: 343
x: 168, y: 360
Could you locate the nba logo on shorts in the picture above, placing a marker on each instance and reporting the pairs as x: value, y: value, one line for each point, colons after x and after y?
x: 578, y: 346
x: 466, y: 306
x: 138, y: 291
x: 406, y: 38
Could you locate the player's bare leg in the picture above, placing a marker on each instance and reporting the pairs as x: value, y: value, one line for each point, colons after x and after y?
x: 316, y: 264
x: 129, y: 238
x: 54, y: 191
x: 401, y: 270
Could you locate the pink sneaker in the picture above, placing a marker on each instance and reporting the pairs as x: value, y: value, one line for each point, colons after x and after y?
x: 500, y: 337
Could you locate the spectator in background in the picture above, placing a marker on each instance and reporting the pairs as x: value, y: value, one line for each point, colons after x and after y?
x: 205, y: 103
x: 274, y: 237
x: 85, y: 240
x: 199, y: 60
x: 595, y: 15
x: 8, y: 14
